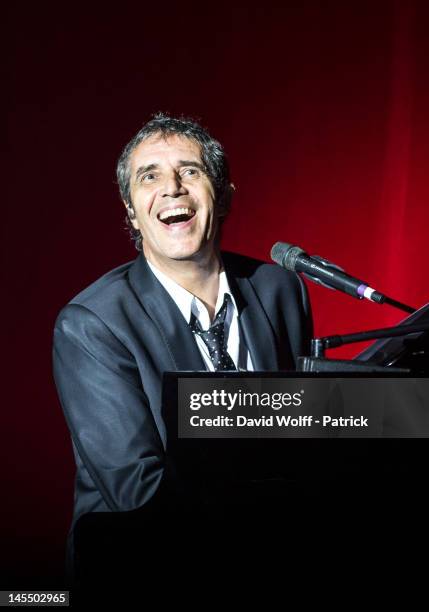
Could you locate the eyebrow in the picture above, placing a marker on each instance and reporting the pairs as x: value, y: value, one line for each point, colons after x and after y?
x: 142, y: 169
x: 183, y: 162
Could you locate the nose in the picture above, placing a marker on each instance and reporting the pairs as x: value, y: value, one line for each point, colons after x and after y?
x: 173, y: 186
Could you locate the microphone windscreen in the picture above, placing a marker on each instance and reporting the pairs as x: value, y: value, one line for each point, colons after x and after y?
x: 279, y: 251
x: 286, y: 255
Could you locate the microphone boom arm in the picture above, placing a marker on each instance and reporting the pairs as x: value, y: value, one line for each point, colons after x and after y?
x: 319, y: 345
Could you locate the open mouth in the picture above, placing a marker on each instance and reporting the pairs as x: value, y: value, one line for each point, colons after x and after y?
x: 176, y: 215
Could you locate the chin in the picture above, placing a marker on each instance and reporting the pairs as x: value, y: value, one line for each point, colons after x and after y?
x: 187, y: 253
x: 184, y: 256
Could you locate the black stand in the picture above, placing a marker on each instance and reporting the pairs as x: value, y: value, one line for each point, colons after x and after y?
x: 403, y: 348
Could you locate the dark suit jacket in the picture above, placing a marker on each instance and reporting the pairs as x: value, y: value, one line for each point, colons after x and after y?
x: 113, y: 342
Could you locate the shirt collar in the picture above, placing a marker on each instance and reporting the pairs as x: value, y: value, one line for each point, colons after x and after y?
x: 186, y: 301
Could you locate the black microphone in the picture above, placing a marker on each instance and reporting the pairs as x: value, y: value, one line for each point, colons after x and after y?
x: 323, y: 272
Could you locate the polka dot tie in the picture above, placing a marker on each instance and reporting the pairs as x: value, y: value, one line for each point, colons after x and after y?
x: 214, y: 338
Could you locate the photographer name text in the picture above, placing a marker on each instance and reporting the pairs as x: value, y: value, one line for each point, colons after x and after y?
x: 278, y: 421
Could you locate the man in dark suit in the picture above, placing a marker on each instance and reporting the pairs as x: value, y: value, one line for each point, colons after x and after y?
x: 114, y: 341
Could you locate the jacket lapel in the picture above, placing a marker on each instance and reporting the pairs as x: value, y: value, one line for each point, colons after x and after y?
x: 254, y: 324
x: 175, y: 334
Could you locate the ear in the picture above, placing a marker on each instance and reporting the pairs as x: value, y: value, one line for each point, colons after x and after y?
x: 226, y: 206
x: 131, y: 215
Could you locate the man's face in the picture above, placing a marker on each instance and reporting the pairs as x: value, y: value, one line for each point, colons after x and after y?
x: 173, y: 198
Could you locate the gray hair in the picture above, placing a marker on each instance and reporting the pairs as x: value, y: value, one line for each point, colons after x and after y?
x: 212, y: 155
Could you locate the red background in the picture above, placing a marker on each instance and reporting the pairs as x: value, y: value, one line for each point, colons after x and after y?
x: 323, y: 110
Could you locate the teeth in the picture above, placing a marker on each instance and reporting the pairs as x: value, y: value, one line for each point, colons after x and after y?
x: 175, y: 212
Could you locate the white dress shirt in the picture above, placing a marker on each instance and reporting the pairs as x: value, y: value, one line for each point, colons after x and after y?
x: 188, y: 303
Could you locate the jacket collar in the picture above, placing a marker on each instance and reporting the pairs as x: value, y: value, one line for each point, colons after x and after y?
x: 160, y: 307
x: 254, y: 323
